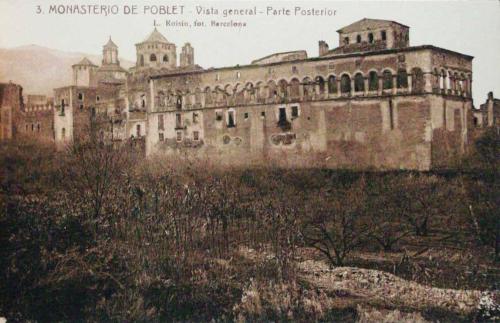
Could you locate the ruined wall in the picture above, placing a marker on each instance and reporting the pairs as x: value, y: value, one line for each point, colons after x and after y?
x: 38, y: 118
x: 11, y: 105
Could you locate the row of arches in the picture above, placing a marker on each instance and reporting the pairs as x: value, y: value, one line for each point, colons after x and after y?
x: 282, y: 91
x: 453, y: 82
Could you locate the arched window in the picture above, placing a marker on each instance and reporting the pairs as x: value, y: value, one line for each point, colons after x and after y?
x: 152, y: 58
x: 165, y: 58
x: 332, y: 84
x: 141, y: 60
x: 359, y: 83
x: 143, y: 101
x: 308, y: 88
x: 383, y: 34
x: 418, y: 83
x: 295, y: 88
x: 387, y: 77
x: 208, y: 95
x: 358, y: 39
x: 370, y: 38
x: 321, y: 84
x: 345, y: 84
x: 402, y: 80
x: 283, y: 85
x: 373, y: 81
x: 271, y: 89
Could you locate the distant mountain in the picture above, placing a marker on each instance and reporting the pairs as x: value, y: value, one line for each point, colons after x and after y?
x: 39, y: 69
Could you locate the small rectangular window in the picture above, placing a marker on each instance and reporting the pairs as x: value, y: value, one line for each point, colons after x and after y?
x: 218, y: 116
x: 246, y: 115
x: 384, y: 35
x: 161, y: 124
x: 178, y: 120
x: 138, y: 130
x: 196, y: 135
x: 230, y: 119
x: 295, y: 111
x: 179, y: 136
x: 195, y: 117
x: 160, y: 135
x: 263, y: 114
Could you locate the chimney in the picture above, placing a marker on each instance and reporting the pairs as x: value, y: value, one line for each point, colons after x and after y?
x: 323, y: 47
x: 490, y: 96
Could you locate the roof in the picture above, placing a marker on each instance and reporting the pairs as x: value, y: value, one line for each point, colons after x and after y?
x: 367, y: 24
x: 85, y: 61
x: 280, y: 54
x: 321, y: 58
x: 112, y: 68
x: 110, y: 44
x: 155, y: 37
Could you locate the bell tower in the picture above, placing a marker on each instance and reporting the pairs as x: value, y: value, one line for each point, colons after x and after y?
x: 110, y: 53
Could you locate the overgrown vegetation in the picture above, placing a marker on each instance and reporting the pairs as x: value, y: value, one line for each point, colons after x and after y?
x: 100, y: 234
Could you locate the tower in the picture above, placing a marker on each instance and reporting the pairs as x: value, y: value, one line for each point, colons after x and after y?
x: 84, y: 73
x: 111, y: 71
x: 110, y: 53
x: 187, y: 55
x: 156, y: 52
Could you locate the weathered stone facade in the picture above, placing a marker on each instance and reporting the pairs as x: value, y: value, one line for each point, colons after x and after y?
x: 37, y: 120
x: 11, y: 105
x: 374, y: 102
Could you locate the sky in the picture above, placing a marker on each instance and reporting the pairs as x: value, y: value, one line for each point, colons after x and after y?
x: 469, y: 27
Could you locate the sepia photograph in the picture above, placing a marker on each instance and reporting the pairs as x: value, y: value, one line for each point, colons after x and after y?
x: 249, y: 161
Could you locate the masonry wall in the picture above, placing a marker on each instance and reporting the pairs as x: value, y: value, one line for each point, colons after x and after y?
x: 11, y: 103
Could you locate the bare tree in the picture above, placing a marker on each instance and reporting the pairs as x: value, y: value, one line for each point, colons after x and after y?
x: 336, y: 224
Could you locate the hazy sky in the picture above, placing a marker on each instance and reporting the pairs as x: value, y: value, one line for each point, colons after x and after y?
x: 469, y: 27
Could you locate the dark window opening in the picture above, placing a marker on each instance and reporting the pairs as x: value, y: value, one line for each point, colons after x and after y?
x: 476, y: 121
x: 384, y: 35
x: 152, y: 58
x: 402, y: 79
x: 346, y: 41
x: 321, y: 83
x: 246, y: 115
x: 373, y: 81
x: 358, y: 39
x: 370, y: 38
x: 196, y: 135
x: 165, y: 58
x: 345, y: 84
x: 359, y: 83
x: 282, y: 116
x: 295, y: 111
x: 263, y: 114
x: 230, y: 119
x: 80, y: 96
x: 332, y: 85
x: 387, y: 80
x: 138, y: 130
x: 218, y: 116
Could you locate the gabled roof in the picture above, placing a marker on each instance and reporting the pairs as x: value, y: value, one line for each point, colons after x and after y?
x: 110, y: 44
x: 85, y: 61
x: 366, y: 24
x: 155, y: 37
